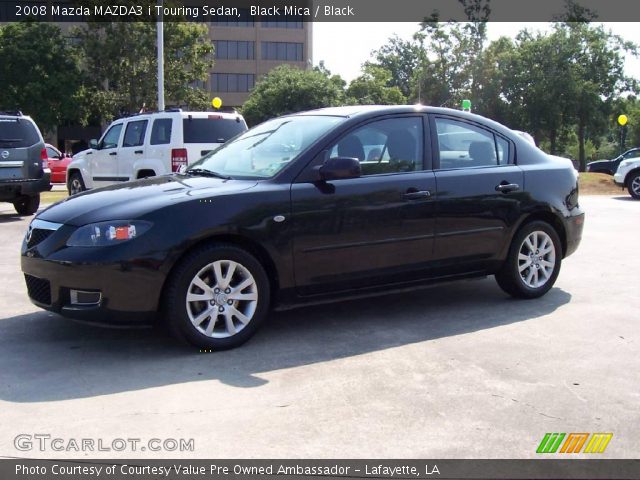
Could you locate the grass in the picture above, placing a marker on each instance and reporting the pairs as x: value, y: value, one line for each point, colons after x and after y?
x: 598, y: 184
x: 590, y: 184
x: 53, y: 197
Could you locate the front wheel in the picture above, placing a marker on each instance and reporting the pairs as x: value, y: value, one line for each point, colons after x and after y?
x: 76, y: 184
x: 217, y: 297
x: 533, y: 262
x: 27, y: 204
x: 633, y: 186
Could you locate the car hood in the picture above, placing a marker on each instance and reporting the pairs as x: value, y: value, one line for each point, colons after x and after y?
x: 132, y: 200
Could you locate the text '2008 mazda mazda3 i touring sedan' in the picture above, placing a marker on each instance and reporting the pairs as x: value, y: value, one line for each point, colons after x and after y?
x: 307, y: 207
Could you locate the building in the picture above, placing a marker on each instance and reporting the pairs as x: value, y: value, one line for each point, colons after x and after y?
x: 247, y: 47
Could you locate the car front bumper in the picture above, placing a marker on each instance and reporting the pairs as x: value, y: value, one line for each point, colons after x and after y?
x: 122, y: 287
x: 618, y: 179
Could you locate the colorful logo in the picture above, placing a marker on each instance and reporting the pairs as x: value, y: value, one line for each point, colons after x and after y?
x: 574, y: 442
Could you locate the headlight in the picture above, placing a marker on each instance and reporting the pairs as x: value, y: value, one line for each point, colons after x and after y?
x: 103, y: 234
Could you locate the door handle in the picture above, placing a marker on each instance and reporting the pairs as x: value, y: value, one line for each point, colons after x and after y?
x: 413, y: 194
x: 113, y: 153
x: 505, y: 187
x: 139, y: 152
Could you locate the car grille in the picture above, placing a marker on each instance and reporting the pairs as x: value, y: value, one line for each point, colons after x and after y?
x: 38, y: 235
x: 39, y: 289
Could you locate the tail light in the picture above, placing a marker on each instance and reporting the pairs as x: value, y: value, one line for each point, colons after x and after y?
x: 44, y: 157
x: 178, y: 158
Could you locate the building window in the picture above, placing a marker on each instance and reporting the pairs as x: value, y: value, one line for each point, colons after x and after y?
x: 292, y: 52
x: 243, y: 20
x: 283, y: 21
x: 234, y: 50
x: 232, y: 82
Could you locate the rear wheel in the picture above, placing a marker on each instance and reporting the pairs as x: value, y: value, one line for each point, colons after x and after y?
x: 217, y: 297
x: 75, y: 185
x: 633, y: 185
x: 533, y: 262
x: 27, y: 204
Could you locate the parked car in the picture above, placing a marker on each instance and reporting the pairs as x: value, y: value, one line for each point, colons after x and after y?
x: 628, y: 176
x: 610, y: 166
x: 58, y: 163
x: 23, y: 163
x: 150, y: 144
x: 299, y: 209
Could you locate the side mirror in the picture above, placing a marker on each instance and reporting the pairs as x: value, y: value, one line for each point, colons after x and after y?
x: 93, y: 143
x: 340, y: 168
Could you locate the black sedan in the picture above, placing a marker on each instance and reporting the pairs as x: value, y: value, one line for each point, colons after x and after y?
x: 610, y: 166
x: 307, y: 207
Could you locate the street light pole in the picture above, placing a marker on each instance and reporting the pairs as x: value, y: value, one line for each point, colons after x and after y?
x: 160, y: 41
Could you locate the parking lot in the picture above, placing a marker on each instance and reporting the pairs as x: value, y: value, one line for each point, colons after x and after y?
x: 454, y: 371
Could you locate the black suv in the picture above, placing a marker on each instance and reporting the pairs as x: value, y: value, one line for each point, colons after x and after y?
x: 23, y: 163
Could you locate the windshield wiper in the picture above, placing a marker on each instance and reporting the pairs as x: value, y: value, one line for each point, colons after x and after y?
x: 10, y: 140
x: 207, y: 173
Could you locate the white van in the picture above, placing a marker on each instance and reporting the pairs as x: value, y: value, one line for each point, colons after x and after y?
x: 150, y: 144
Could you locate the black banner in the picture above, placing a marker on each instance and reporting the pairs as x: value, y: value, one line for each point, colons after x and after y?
x: 582, y: 469
x: 321, y: 10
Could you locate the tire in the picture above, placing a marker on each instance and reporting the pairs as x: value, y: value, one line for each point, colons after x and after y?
x: 633, y: 185
x: 75, y: 184
x: 221, y: 319
x: 525, y: 274
x: 27, y: 204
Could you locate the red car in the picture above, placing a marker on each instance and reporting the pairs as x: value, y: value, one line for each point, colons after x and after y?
x: 58, y: 163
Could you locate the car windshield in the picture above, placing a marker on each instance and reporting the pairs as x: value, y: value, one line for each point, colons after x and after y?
x: 267, y: 148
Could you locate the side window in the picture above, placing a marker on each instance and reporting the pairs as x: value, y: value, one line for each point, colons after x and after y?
x: 503, y: 150
x: 110, y: 139
x: 385, y: 146
x: 52, y: 153
x: 463, y: 145
x: 161, y: 131
x: 134, y: 134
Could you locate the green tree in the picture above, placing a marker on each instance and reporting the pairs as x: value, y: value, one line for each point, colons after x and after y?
x: 39, y: 73
x: 371, y: 88
x: 287, y: 89
x: 401, y: 58
x: 120, y: 65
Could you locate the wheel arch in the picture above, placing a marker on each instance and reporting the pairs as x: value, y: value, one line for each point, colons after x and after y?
x: 630, y: 175
x: 251, y: 246
x: 145, y: 172
x: 547, y: 217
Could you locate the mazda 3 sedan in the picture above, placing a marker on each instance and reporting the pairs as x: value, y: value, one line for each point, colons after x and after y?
x: 312, y: 206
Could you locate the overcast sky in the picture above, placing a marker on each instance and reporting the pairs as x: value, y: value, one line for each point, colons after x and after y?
x: 345, y: 46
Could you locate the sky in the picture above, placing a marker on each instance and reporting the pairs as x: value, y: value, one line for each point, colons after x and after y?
x: 345, y: 57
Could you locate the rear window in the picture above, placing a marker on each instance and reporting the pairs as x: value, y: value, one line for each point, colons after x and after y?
x: 211, y: 130
x: 15, y: 133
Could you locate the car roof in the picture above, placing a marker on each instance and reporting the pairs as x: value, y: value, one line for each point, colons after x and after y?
x: 180, y: 114
x: 364, y: 111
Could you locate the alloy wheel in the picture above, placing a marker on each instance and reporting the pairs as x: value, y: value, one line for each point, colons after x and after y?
x: 536, y: 259
x: 221, y: 299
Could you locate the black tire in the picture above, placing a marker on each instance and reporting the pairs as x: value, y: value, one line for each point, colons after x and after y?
x: 633, y: 185
x: 178, y: 312
x: 521, y: 285
x: 27, y: 204
x: 75, y: 184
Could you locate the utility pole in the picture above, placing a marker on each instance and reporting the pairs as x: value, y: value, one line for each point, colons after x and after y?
x: 160, y: 41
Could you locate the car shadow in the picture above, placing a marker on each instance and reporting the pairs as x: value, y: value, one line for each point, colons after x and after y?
x: 10, y: 217
x: 626, y: 198
x: 45, y: 357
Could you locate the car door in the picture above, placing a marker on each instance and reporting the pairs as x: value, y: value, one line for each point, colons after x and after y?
x: 479, y: 193
x: 104, y: 159
x: 374, y: 229
x: 133, y: 148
